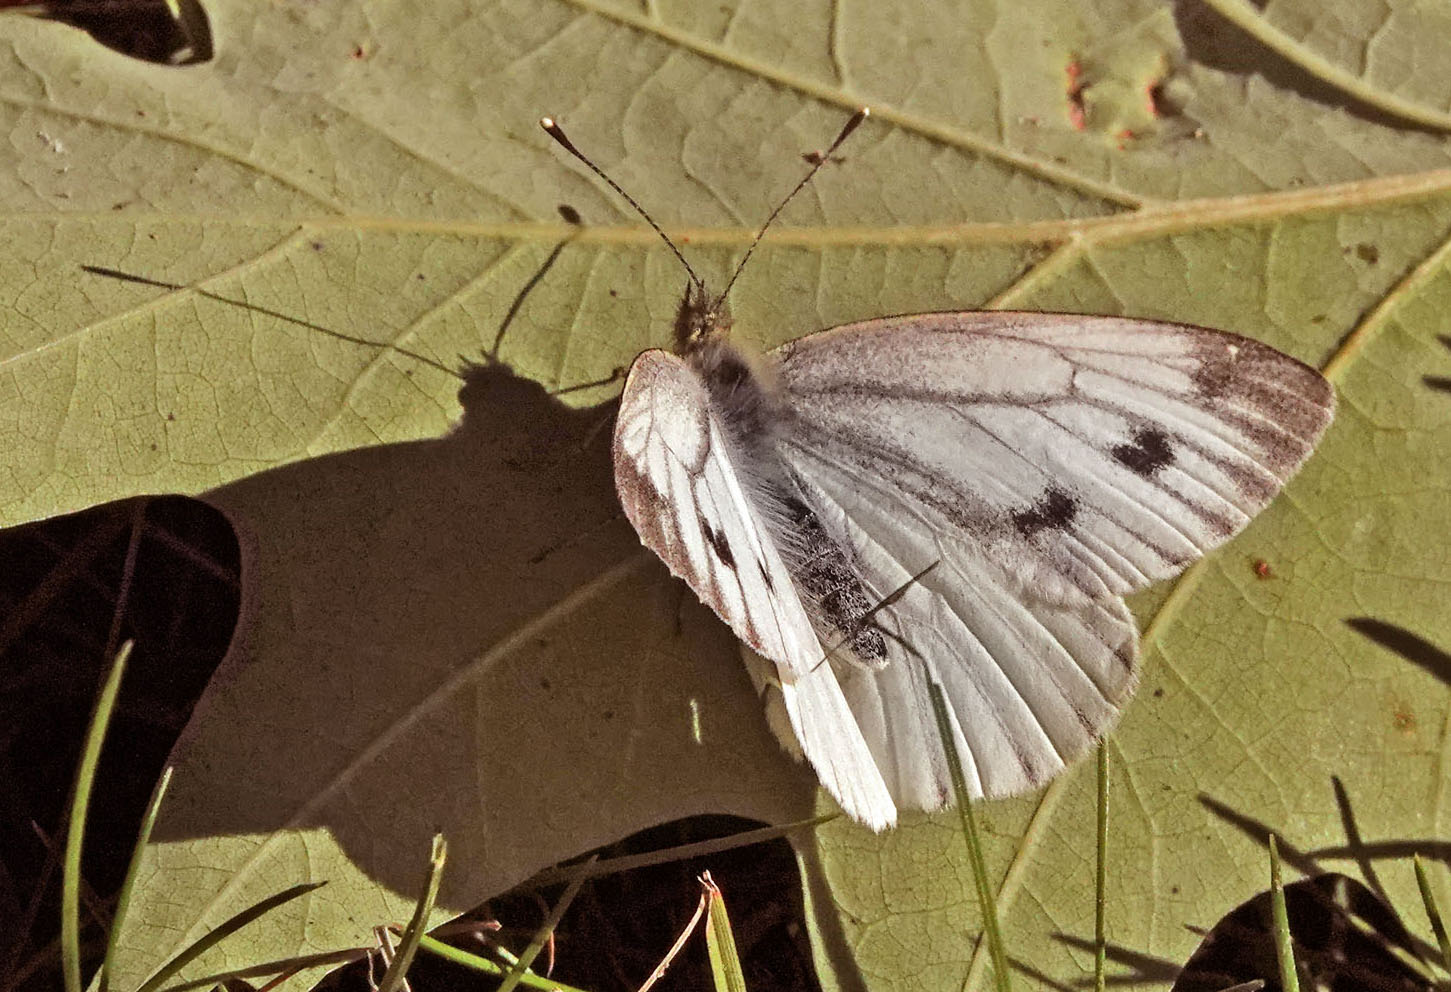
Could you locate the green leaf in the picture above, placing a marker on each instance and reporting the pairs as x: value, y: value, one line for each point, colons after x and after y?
x: 442, y: 603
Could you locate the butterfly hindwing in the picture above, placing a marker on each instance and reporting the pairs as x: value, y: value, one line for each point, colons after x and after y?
x: 692, y: 506
x: 1030, y: 684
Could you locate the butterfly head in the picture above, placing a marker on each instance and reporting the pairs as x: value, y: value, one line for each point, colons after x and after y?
x: 701, y: 318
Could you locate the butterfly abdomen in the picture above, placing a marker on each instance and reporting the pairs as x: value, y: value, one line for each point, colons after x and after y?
x: 830, y: 581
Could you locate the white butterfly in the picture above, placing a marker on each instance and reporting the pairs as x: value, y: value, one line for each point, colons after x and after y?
x: 957, y: 497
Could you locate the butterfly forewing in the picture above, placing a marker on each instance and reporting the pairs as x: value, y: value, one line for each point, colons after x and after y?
x: 1087, y: 456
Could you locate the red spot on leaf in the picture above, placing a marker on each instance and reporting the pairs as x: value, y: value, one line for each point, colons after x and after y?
x: 1076, y: 115
x: 1403, y: 719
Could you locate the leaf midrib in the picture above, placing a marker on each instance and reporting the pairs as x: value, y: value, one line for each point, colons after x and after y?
x: 1167, y: 218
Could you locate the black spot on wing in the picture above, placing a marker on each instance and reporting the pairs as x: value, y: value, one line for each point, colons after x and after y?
x: 1055, y: 511
x: 1148, y: 452
x: 718, y: 543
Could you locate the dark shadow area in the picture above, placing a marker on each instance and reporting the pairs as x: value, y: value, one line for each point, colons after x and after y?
x: 1345, y: 940
x: 1389, y: 850
x: 1355, y: 848
x: 621, y: 925
x: 143, y: 29
x: 1212, y: 40
x: 457, y: 634
x: 1409, y: 645
x: 1042, y: 978
x: 420, y: 594
x: 59, y: 600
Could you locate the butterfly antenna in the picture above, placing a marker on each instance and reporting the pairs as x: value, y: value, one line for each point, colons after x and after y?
x: 851, y: 125
x: 557, y: 133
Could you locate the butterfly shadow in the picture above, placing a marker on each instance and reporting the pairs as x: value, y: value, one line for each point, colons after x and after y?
x: 463, y: 635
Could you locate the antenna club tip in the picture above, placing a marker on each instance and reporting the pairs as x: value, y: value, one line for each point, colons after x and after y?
x: 547, y: 123
x: 864, y: 112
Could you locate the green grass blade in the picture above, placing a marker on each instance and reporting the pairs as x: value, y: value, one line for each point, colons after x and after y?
x: 528, y: 979
x: 408, y: 944
x: 123, y: 900
x: 669, y: 855
x: 991, y: 932
x: 1433, y: 912
x: 720, y: 942
x: 1284, y: 944
x: 223, y: 931
x: 1100, y: 881
x: 70, y: 884
x: 546, y: 929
